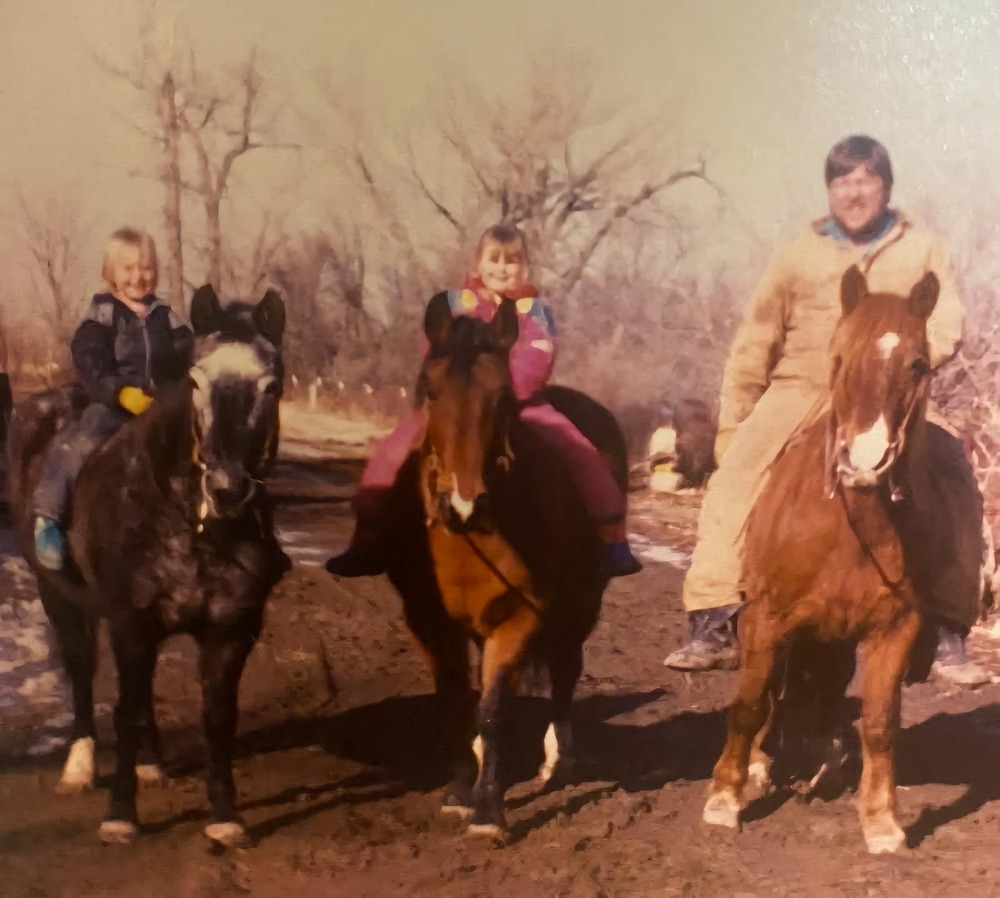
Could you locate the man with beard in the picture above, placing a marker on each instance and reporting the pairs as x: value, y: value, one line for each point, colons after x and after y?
x: 776, y: 380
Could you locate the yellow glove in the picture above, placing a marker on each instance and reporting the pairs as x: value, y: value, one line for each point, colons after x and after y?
x: 133, y: 400
x: 722, y: 439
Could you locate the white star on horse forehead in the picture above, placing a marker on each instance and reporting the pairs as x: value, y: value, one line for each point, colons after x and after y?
x: 887, y: 343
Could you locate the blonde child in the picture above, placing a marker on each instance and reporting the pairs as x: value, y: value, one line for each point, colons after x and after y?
x: 500, y: 271
x: 128, y: 344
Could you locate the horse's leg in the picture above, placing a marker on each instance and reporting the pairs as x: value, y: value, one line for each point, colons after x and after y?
x: 502, y: 650
x: 135, y: 649
x: 747, y: 714
x: 147, y: 768
x: 760, y: 761
x: 223, y: 654
x: 446, y: 644
x: 835, y: 666
x: 76, y: 634
x: 565, y: 666
x: 886, y: 657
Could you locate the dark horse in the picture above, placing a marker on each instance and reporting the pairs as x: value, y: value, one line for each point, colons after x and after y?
x: 170, y: 533
x: 492, y: 541
x: 861, y: 532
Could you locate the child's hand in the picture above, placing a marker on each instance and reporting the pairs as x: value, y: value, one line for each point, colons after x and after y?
x: 134, y: 400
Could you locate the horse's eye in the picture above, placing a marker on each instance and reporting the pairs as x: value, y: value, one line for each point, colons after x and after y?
x: 920, y: 369
x: 432, y: 395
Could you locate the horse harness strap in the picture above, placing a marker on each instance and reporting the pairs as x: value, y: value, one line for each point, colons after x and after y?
x: 485, y: 559
x: 892, y: 585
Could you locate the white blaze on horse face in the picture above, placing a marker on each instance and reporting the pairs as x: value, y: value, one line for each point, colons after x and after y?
x: 869, y: 448
x: 235, y: 360
x: 886, y: 344
x: 463, y: 507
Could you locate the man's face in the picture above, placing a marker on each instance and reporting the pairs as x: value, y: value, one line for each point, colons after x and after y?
x: 857, y: 199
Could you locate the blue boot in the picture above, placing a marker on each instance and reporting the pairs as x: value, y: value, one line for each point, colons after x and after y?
x: 50, y: 544
x: 617, y: 560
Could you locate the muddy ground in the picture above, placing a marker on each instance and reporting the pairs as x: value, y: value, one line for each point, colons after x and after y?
x: 338, y: 769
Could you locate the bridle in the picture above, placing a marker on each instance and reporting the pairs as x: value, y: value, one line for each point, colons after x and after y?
x: 206, y: 505
x: 837, y: 458
x: 838, y: 464
x: 440, y: 512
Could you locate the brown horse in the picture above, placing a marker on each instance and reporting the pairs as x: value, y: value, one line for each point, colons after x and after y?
x: 495, y: 545
x: 856, y: 536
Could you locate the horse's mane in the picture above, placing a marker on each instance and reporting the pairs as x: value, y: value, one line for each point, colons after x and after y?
x: 152, y: 447
x: 469, y: 337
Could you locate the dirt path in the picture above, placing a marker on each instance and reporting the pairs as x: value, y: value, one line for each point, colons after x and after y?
x: 338, y: 767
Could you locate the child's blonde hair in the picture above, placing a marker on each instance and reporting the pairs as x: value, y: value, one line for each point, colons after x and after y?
x: 131, y: 238
x: 508, y: 237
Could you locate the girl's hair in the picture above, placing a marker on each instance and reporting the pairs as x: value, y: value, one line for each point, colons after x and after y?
x: 508, y: 237
x: 859, y: 149
x: 131, y: 238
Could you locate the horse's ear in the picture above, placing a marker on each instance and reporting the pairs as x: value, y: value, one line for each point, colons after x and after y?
x: 504, y: 324
x: 438, y: 319
x: 269, y: 317
x: 924, y: 295
x: 206, y: 313
x: 853, y: 288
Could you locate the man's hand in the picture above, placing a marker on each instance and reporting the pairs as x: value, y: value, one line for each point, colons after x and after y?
x: 722, y: 439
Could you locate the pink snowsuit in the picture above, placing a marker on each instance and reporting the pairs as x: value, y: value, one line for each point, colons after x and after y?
x: 531, y: 360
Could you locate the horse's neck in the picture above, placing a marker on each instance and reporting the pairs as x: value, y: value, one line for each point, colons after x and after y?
x: 167, y: 437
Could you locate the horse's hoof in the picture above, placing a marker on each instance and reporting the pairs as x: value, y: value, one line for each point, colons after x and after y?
x: 227, y: 835
x: 559, y: 762
x: 759, y: 776
x: 78, y: 771
x: 117, y: 832
x: 490, y: 831
x: 487, y: 820
x: 457, y: 799
x: 722, y: 809
x: 74, y: 787
x: 457, y: 802
x: 461, y: 811
x: 553, y: 774
x: 884, y: 838
x: 151, y: 775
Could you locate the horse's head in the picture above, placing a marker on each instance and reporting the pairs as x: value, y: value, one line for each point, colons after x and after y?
x: 236, y: 382
x: 879, y: 378
x: 467, y: 383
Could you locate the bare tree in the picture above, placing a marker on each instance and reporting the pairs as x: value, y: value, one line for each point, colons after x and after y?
x: 202, y: 125
x: 321, y: 277
x: 52, y: 232
x: 247, y: 264
x: 555, y: 161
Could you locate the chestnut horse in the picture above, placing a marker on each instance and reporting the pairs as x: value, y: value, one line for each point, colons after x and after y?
x: 496, y: 545
x: 858, y: 533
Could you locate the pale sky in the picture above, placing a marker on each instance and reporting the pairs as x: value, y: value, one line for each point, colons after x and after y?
x: 761, y: 87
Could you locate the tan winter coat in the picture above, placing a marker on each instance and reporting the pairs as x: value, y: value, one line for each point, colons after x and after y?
x: 782, y: 344
x: 777, y: 376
